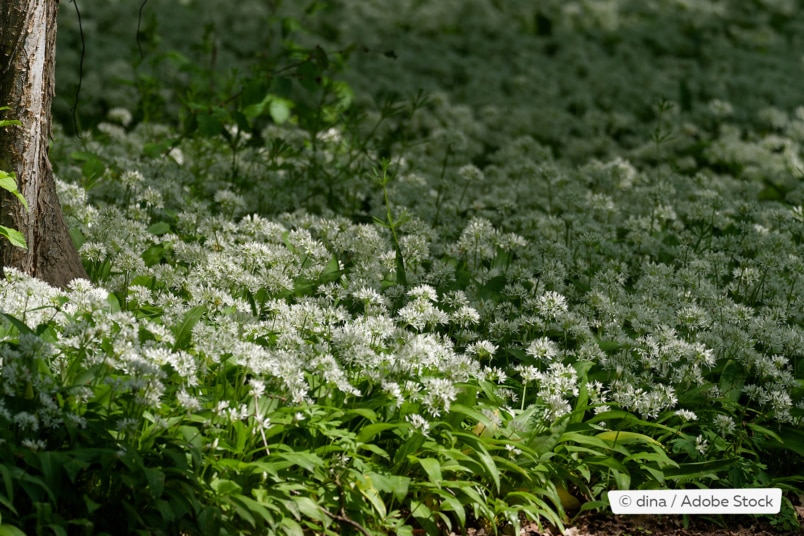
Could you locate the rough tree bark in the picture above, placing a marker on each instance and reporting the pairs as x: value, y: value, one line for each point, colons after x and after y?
x: 27, y: 73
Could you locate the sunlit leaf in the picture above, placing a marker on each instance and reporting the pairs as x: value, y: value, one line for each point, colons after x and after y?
x: 15, y: 237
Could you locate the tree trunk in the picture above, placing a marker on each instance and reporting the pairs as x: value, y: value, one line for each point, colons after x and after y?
x: 27, y: 72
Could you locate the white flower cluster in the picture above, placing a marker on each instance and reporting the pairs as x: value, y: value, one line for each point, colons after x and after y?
x: 554, y: 225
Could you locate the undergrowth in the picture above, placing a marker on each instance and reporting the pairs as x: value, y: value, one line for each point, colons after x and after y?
x: 324, y: 302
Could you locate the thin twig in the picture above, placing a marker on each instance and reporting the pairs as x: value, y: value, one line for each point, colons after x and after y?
x: 74, y: 109
x: 139, y: 20
x: 343, y: 519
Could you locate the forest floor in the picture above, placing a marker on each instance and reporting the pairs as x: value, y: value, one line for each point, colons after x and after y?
x: 645, y: 525
x: 606, y: 524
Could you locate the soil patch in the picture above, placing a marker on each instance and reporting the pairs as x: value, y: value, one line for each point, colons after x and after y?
x: 646, y: 525
x: 606, y: 524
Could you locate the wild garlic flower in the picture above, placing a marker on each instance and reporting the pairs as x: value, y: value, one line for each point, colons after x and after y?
x: 551, y: 305
x: 424, y: 292
x: 724, y: 425
x: 93, y: 251
x: 370, y: 297
x: 437, y: 395
x: 230, y: 202
x: 132, y: 178
x: 686, y: 415
x: 421, y: 313
x: 720, y: 109
x: 528, y: 373
x: 482, y: 349
x: 34, y: 444
x: 120, y: 115
x: 395, y: 392
x: 418, y: 423
x: 649, y: 404
x: 701, y: 445
x: 543, y: 349
x: 598, y: 393
x: 187, y: 401
x: 465, y: 316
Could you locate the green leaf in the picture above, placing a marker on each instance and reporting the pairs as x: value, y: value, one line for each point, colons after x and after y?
x: 9, y: 485
x: 305, y: 460
x: 92, y: 169
x: 606, y: 461
x: 8, y: 182
x: 424, y: 516
x: 451, y: 503
x: 184, y: 331
x: 256, y: 109
x: 622, y: 479
x: 279, y: 109
x: 627, y: 420
x: 247, y: 504
x: 242, y: 510
x: 223, y: 486
x: 156, y: 149
x: 19, y: 324
x: 372, y: 494
x: 659, y: 457
x: 209, y: 125
x: 493, y: 288
x: 5, y: 502
x: 791, y: 439
x: 241, y: 121
x: 9, y: 122
x: 401, y: 276
x: 626, y: 438
x: 310, y: 508
x: 156, y: 480
x: 167, y: 509
x: 542, y: 443
x: 13, y: 236
x: 73, y: 467
x: 309, y: 76
x: 153, y: 255
x: 698, y: 469
x: 344, y: 93
x: 282, y: 86
x: 472, y: 414
x: 254, y: 90
x: 765, y: 432
x: 394, y: 484
x: 374, y: 449
x: 609, y: 346
x: 594, y: 505
x: 482, y: 455
x: 8, y: 530
x: 366, y: 413
x: 320, y: 58
x: 178, y: 59
x: 114, y: 303
x: 368, y: 432
x: 408, y: 448
x: 432, y: 467
x: 77, y: 237
x: 332, y: 271
x: 732, y: 380
x: 582, y: 439
x: 159, y: 228
x: 91, y: 164
x: 191, y: 435
x: 290, y: 527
